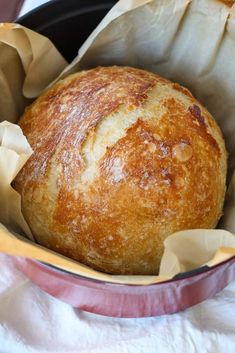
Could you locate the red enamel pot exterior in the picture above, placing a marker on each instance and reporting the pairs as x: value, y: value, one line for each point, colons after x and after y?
x: 120, y: 300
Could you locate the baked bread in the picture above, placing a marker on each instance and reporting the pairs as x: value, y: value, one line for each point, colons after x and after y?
x: 122, y: 158
x: 229, y: 3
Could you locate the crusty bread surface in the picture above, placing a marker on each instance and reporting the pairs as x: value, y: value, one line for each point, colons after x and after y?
x: 122, y: 158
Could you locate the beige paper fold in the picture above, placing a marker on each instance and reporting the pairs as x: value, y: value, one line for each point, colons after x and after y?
x: 28, y: 63
x: 14, y: 153
x: 187, y: 250
x: 188, y: 41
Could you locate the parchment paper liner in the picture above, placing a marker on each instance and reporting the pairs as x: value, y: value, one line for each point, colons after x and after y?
x: 190, y: 42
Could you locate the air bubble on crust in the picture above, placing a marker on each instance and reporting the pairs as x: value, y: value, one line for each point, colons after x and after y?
x: 182, y: 151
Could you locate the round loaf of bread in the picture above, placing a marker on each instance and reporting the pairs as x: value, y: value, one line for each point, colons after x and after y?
x: 122, y: 159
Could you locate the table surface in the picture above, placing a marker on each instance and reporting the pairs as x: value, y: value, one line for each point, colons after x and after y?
x: 32, y: 321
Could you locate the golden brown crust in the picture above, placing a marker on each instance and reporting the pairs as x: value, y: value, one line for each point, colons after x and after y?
x: 228, y: 2
x: 107, y: 201
x: 74, y: 107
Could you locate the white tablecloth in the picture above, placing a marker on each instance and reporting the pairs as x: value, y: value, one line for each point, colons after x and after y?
x: 30, y: 5
x: 32, y: 321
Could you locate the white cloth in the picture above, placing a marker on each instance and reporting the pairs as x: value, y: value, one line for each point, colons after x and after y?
x: 31, y: 321
x: 30, y: 5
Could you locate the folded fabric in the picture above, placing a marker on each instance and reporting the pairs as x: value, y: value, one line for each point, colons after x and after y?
x: 30, y: 5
